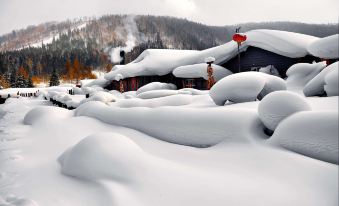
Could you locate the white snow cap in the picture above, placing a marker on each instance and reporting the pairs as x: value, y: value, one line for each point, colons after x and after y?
x: 209, y: 59
x: 326, y: 48
x: 200, y: 70
x: 245, y: 87
x: 164, y: 61
x: 278, y: 105
x: 152, y: 62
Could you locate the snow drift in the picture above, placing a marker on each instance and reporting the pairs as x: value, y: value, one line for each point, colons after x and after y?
x: 43, y: 113
x: 186, y: 126
x: 314, y: 134
x: 103, y: 156
x: 278, y: 105
x: 156, y: 86
x: 171, y: 100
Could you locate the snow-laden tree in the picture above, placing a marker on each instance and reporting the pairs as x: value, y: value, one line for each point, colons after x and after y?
x: 21, y: 81
x: 30, y: 81
x: 54, y: 80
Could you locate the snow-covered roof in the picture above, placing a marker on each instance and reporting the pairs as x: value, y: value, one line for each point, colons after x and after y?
x: 153, y: 62
x: 200, y: 70
x: 162, y: 61
x: 326, y: 47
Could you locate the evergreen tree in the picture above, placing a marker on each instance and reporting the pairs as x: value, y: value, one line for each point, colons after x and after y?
x: 12, y: 79
x: 54, y: 81
x: 30, y: 82
x: 20, y: 81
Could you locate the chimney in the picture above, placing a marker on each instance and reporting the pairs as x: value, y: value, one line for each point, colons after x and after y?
x: 122, y: 57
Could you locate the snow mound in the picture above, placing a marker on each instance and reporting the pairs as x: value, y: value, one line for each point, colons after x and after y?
x: 194, y: 91
x: 313, y: 134
x: 156, y: 94
x: 298, y: 75
x: 92, y: 89
x: 172, y: 100
x: 326, y: 47
x: 180, y: 125
x: 278, y: 105
x: 244, y: 87
x: 100, y: 96
x: 103, y: 156
x: 156, y: 86
x: 13, y: 200
x: 44, y: 113
x: 332, y: 83
x: 272, y: 83
x: 200, y: 71
x: 78, y: 90
x: 316, y: 85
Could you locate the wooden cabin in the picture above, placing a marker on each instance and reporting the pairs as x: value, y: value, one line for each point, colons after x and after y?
x: 255, y: 57
x: 134, y: 83
x: 251, y: 59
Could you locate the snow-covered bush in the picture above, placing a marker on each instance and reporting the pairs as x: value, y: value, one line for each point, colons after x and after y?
x: 103, y: 156
x: 156, y: 86
x: 298, y: 75
x: 316, y: 85
x: 312, y: 133
x: 172, y: 100
x: 278, y: 105
x: 245, y: 86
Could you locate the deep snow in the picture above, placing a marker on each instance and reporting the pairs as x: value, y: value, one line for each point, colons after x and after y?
x: 163, y: 146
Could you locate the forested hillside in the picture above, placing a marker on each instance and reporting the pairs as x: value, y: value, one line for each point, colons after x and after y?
x: 95, y: 43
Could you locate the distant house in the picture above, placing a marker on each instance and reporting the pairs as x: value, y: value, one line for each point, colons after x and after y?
x: 262, y: 48
x: 255, y: 57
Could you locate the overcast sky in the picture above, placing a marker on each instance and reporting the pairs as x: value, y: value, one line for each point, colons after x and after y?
x: 16, y: 14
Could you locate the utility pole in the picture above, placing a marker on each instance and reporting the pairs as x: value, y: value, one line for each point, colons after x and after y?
x: 237, y: 31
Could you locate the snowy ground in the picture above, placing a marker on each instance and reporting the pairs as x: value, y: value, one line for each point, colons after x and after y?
x: 161, y: 146
x: 121, y: 166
